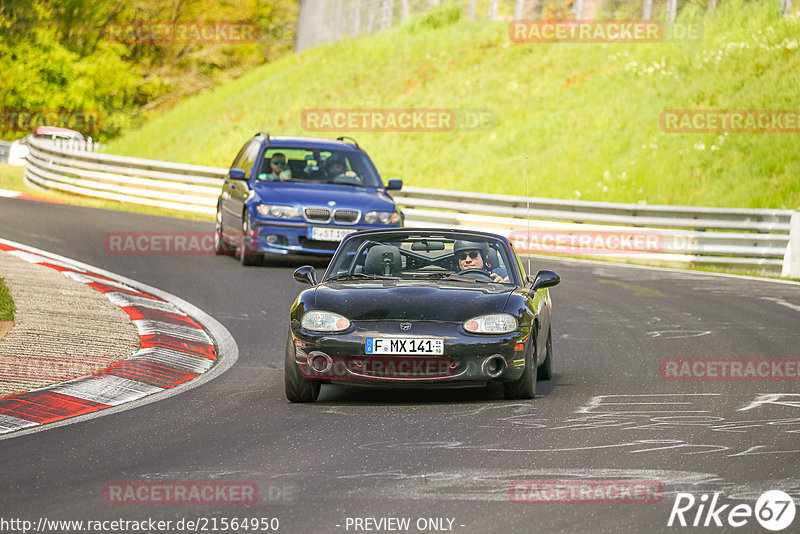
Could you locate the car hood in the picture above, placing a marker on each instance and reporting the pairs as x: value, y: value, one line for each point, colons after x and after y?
x: 313, y: 194
x: 375, y: 300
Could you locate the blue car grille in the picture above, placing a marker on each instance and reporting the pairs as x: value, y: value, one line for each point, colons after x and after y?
x: 346, y: 216
x: 317, y: 214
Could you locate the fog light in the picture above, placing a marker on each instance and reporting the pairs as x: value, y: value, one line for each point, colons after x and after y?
x: 272, y: 239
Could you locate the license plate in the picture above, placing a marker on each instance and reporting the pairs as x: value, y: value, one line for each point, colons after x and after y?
x: 405, y: 345
x: 328, y: 234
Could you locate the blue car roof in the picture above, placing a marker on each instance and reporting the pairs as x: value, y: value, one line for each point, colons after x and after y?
x: 310, y: 142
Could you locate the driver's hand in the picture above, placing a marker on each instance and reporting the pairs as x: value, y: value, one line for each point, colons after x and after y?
x: 497, y: 278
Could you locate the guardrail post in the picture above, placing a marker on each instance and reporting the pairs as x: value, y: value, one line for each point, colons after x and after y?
x: 647, y: 9
x: 791, y: 260
x: 578, y: 9
x: 672, y: 11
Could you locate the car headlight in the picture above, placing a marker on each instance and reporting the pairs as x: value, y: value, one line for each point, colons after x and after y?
x: 276, y: 210
x: 322, y: 321
x: 495, y: 323
x: 382, y: 217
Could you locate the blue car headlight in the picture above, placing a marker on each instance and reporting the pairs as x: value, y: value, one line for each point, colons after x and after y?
x: 278, y: 211
x: 381, y: 217
x: 494, y: 323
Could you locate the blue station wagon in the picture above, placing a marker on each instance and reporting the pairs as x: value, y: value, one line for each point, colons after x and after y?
x: 298, y: 195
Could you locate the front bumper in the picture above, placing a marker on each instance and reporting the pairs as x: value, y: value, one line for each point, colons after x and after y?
x: 293, y: 238
x: 468, y: 360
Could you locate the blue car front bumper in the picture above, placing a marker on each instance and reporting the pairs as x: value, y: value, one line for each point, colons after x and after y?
x: 297, y: 238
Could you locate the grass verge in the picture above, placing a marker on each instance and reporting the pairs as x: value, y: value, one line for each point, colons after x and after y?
x: 7, y: 307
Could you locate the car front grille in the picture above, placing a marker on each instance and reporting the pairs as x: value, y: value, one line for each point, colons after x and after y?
x: 346, y: 216
x: 317, y: 214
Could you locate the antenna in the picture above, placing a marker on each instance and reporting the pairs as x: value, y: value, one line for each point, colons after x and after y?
x: 528, y: 214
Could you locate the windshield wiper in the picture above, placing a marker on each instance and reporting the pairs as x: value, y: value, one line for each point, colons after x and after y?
x: 461, y: 278
x: 362, y: 275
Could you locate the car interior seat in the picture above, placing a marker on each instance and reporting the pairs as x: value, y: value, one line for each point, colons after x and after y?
x: 296, y: 166
x: 493, y: 258
x: 383, y: 260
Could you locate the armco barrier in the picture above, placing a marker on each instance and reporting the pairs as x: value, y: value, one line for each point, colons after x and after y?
x: 751, y: 239
x: 5, y: 146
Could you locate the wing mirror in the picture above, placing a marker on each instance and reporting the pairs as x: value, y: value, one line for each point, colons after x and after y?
x: 306, y: 275
x: 394, y: 185
x: 236, y: 174
x: 545, y: 279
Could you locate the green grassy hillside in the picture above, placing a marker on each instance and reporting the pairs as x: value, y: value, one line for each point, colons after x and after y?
x: 586, y: 115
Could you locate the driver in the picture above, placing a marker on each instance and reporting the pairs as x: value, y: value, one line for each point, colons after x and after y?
x: 475, y: 255
x: 334, y: 166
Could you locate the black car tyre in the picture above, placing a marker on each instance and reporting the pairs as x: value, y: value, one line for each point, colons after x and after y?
x: 545, y: 371
x: 297, y: 388
x: 221, y: 247
x: 246, y: 255
x: 525, y: 387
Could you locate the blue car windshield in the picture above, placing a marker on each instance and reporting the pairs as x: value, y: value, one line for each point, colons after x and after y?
x: 317, y: 165
x: 415, y: 255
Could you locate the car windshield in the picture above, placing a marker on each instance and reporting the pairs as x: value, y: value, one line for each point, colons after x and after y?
x: 344, y: 167
x: 470, y: 258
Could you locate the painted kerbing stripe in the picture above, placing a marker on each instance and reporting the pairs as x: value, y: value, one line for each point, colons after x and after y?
x: 151, y: 373
x: 42, y: 406
x: 178, y: 360
x: 9, y: 423
x: 174, y: 349
x: 192, y: 333
x: 105, y: 389
x: 176, y: 318
x: 124, y: 300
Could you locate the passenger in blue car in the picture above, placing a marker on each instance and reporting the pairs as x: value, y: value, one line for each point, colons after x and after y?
x: 337, y: 171
x: 475, y: 255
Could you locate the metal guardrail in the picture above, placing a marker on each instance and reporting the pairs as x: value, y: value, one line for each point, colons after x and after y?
x: 752, y: 239
x: 5, y: 146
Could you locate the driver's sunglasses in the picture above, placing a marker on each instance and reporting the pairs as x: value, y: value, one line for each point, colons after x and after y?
x: 279, y: 162
x: 472, y: 255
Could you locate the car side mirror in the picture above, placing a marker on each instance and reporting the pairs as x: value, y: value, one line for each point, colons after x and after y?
x: 306, y: 275
x: 394, y: 185
x: 236, y: 174
x: 545, y: 279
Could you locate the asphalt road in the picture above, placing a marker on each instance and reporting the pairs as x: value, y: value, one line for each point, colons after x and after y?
x: 607, y: 415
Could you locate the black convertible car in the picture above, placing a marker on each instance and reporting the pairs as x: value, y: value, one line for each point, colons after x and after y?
x: 421, y: 308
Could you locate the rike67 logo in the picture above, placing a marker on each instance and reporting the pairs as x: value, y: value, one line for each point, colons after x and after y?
x: 774, y: 510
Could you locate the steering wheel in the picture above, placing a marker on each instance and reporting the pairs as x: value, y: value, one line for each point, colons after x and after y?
x: 475, y: 272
